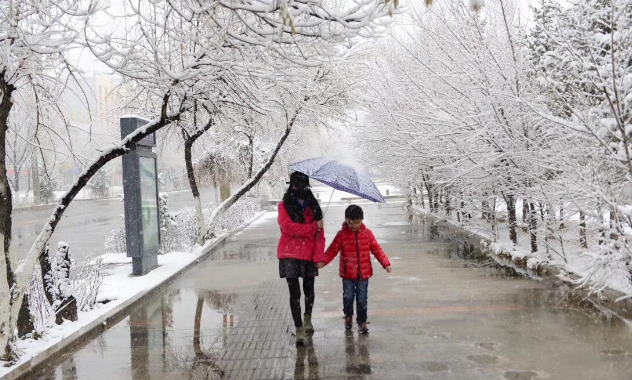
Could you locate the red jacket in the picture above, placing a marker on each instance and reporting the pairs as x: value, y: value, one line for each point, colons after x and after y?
x: 356, y: 248
x: 298, y: 240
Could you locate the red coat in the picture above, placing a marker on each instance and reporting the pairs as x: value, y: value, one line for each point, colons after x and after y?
x: 298, y: 240
x: 356, y: 248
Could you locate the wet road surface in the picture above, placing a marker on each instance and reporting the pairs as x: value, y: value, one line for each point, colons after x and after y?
x: 86, y: 223
x: 434, y: 317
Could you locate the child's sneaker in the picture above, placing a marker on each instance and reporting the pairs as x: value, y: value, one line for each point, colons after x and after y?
x: 348, y: 322
x: 362, y: 328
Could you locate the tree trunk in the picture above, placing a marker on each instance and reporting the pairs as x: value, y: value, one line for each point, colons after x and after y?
x: 226, y: 204
x: 612, y: 224
x: 430, y: 200
x: 189, y: 140
x: 46, y: 269
x: 485, y: 208
x: 582, y: 230
x: 16, y: 179
x: 6, y: 200
x: 602, y: 230
x: 188, y: 145
x: 511, y: 210
x: 448, y: 204
x: 251, y: 164
x: 197, y: 323
x: 6, y: 209
x: 533, y: 227
x: 224, y: 189
x: 25, y: 318
x: 37, y: 199
x: 4, y: 306
x: 67, y: 303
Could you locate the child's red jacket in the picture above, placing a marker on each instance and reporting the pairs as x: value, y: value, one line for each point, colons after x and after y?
x: 356, y: 249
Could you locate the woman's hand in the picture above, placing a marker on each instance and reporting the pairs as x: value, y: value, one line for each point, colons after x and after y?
x: 388, y: 269
x: 320, y: 224
x: 320, y: 265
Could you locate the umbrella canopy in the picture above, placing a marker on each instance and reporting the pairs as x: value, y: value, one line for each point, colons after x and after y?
x: 340, y: 177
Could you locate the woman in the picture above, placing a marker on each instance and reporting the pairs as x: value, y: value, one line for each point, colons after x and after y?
x: 302, y: 244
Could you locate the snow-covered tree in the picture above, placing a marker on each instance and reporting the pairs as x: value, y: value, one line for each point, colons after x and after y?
x: 100, y: 184
x: 48, y: 184
x: 586, y: 73
x: 35, y: 36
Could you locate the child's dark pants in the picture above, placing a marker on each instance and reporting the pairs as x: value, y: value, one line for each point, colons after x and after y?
x: 358, y: 290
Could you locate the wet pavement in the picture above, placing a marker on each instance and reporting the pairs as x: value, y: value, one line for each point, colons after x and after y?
x: 436, y: 316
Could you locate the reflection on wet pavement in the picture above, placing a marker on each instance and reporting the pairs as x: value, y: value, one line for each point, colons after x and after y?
x: 437, y: 316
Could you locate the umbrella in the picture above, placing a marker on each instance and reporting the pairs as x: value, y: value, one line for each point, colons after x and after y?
x: 339, y: 176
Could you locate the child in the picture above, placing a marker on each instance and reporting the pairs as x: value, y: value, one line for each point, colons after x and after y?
x: 356, y: 242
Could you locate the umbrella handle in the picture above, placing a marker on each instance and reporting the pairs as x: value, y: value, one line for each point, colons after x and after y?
x: 332, y: 195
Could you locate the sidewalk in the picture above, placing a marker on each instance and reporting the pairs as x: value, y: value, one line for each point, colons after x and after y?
x: 434, y: 317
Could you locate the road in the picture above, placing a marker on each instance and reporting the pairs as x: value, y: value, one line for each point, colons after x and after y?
x: 86, y: 223
x: 436, y: 316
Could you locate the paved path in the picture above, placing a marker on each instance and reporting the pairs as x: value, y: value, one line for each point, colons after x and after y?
x: 434, y: 317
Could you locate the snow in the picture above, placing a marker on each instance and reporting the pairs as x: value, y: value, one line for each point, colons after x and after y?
x: 263, y: 219
x: 579, y: 263
x: 135, y: 117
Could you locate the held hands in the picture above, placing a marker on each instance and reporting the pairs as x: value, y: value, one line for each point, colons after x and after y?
x: 388, y: 269
x: 320, y: 265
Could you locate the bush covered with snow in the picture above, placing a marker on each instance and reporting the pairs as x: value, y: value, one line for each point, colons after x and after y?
x: 68, y: 279
x: 115, y: 241
x: 179, y: 229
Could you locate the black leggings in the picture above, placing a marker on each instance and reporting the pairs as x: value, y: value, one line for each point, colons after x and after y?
x: 295, y: 298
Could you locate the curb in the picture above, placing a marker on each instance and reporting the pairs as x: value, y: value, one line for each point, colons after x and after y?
x: 53, y: 205
x: 115, y: 315
x: 606, y: 302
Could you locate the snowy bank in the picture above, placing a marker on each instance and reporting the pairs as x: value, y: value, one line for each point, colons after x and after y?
x: 576, y: 265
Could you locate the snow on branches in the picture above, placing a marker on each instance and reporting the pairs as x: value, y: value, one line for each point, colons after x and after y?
x: 527, y: 129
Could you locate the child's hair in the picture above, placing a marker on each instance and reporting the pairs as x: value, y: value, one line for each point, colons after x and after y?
x: 354, y: 212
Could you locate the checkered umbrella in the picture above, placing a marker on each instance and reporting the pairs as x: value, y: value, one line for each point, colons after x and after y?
x: 339, y: 176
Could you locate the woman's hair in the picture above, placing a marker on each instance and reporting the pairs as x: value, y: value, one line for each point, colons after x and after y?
x: 290, y: 202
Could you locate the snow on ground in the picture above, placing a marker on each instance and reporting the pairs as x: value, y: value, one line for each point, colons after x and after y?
x: 569, y: 257
x: 118, y: 287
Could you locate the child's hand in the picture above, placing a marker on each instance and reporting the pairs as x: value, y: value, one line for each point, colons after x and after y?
x: 388, y: 269
x: 320, y: 265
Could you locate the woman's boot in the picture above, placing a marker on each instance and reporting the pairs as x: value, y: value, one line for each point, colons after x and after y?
x: 300, y: 336
x: 307, y: 323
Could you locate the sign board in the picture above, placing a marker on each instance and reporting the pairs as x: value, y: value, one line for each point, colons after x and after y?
x: 140, y: 188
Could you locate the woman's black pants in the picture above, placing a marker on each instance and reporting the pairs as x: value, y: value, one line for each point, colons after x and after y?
x: 295, y: 298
